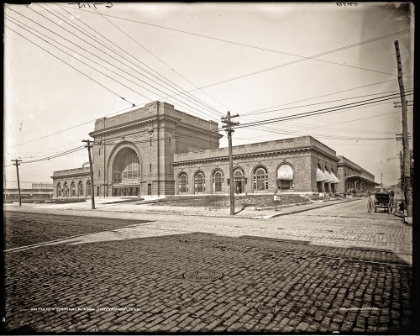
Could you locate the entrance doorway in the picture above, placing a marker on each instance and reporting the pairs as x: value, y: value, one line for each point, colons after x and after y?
x: 238, y: 187
x: 149, y: 189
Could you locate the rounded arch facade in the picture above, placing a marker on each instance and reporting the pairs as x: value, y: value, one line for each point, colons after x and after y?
x: 182, y: 180
x: 199, y: 178
x: 116, y: 153
x: 217, y: 180
x: 260, y: 178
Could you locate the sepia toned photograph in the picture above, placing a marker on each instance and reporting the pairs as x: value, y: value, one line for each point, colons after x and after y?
x: 223, y: 168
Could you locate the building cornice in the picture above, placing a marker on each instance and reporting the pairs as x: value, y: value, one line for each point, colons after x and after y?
x: 175, y: 120
x: 70, y: 175
x: 255, y: 154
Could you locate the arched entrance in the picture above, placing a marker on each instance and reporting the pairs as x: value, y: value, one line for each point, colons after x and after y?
x: 126, y: 173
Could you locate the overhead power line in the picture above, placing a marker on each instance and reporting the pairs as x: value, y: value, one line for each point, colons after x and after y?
x: 320, y: 111
x: 107, y: 47
x: 159, y: 59
x: 47, y: 158
x: 95, y: 55
x: 113, y: 92
x: 140, y: 94
x: 330, y: 94
x: 166, y: 81
x: 303, y: 58
x: 324, y: 102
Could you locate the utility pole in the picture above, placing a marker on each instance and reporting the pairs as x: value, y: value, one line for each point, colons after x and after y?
x: 17, y: 163
x: 92, y: 187
x: 406, y: 147
x: 228, y: 124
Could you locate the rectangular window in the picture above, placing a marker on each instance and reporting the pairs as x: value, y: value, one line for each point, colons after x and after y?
x: 150, y: 168
x: 99, y: 173
x: 169, y: 141
x: 99, y: 151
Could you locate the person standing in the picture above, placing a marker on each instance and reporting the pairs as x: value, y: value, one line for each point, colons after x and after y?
x: 391, y: 204
x: 371, y: 203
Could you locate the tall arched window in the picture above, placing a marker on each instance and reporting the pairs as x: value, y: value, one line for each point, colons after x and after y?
x: 126, y: 167
x: 73, y: 189
x: 183, y: 183
x: 260, y: 179
x: 58, y: 189
x: 66, y: 190
x: 199, y: 182
x: 80, y: 187
x: 88, y: 188
x: 217, y: 181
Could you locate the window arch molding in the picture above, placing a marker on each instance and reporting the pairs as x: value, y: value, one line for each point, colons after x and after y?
x: 260, y: 178
x: 199, y: 181
x: 121, y: 145
x: 217, y: 179
x: 283, y: 164
x: 182, y: 178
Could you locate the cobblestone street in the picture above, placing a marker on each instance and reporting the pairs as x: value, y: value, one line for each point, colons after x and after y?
x: 333, y: 269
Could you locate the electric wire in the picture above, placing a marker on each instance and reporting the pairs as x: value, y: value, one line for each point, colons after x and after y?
x: 324, y: 102
x: 162, y: 61
x: 71, y: 66
x: 159, y: 59
x: 108, y: 53
x: 320, y: 111
x: 99, y: 58
x: 140, y: 94
x: 328, y: 94
x: 303, y: 58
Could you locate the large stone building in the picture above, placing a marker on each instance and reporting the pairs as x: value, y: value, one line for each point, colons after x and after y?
x: 158, y: 150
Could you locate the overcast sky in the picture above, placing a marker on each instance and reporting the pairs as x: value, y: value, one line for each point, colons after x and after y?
x: 243, y: 57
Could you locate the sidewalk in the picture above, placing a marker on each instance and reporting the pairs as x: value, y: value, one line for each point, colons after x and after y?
x: 113, y: 205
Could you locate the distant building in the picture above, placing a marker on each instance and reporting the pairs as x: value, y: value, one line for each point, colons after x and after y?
x: 158, y: 150
x: 36, y: 191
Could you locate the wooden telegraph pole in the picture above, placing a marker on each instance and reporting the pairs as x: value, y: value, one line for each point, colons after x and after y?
x: 406, y: 147
x: 17, y: 163
x: 92, y: 187
x: 228, y: 124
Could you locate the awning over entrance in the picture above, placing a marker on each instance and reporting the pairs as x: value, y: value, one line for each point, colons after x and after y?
x: 320, y: 177
x: 334, y: 178
x: 329, y: 178
x: 285, y: 172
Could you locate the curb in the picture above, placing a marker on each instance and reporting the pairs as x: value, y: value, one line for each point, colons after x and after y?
x: 303, y: 210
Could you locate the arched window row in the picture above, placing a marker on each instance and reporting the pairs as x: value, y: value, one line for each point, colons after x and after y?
x: 284, y: 180
x: 66, y: 190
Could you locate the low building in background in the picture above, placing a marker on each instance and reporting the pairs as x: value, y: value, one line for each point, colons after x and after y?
x: 39, y: 191
x: 158, y: 150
